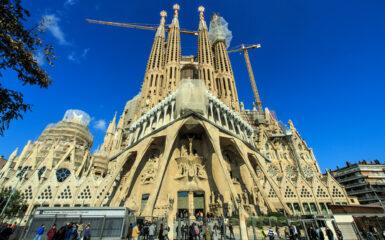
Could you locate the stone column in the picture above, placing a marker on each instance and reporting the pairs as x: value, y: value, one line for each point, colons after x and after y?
x: 191, y: 205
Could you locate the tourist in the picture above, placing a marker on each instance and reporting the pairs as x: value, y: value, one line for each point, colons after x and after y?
x: 321, y: 235
x: 87, y: 232
x: 311, y: 233
x: 14, y: 226
x: 129, y: 232
x: 278, y: 232
x: 59, y: 235
x: 40, y: 232
x: 271, y: 233
x: 51, y: 232
x: 231, y: 231
x: 339, y: 234
x: 329, y: 233
x: 135, y: 232
x: 146, y: 231
x: 196, y: 231
x: 6, y: 232
x: 263, y: 235
x: 80, y: 230
x: 68, y: 231
x: 166, y: 229
x: 215, y: 232
x: 151, y: 231
x: 160, y: 233
x: 207, y: 232
x: 293, y: 232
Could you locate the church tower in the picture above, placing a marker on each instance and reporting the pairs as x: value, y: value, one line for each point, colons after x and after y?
x: 173, y: 54
x: 224, y: 78
x: 153, y: 83
x: 205, y: 55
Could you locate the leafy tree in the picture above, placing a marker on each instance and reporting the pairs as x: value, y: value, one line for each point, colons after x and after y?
x: 15, y: 206
x: 18, y: 46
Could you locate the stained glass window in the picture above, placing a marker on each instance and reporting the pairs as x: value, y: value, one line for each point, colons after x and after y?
x: 62, y: 174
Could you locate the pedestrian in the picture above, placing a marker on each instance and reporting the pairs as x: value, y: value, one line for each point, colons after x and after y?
x: 6, y: 232
x: 161, y: 236
x: 321, y: 235
x: 59, y: 235
x: 51, y: 232
x: 231, y: 231
x: 271, y: 233
x: 39, y: 232
x: 215, y: 232
x: 80, y: 230
x: 68, y: 231
x: 339, y: 234
x: 263, y: 234
x: 311, y: 233
x: 14, y: 226
x: 293, y: 232
x: 329, y: 233
x: 135, y: 232
x: 151, y: 231
x: 278, y: 232
x: 166, y: 229
x: 207, y: 232
x: 129, y: 232
x: 87, y: 232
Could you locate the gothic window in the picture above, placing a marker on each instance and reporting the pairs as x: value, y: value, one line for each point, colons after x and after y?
x: 300, y: 147
x: 41, y: 171
x: 62, y: 174
x: 266, y: 147
x: 189, y: 72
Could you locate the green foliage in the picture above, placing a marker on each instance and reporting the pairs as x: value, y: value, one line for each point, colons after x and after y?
x: 260, y: 222
x: 15, y: 206
x: 17, y: 48
x: 276, y: 214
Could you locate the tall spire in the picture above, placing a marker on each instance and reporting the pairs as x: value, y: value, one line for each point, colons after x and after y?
x: 205, y: 55
x: 173, y: 54
x: 153, y: 83
x: 224, y: 79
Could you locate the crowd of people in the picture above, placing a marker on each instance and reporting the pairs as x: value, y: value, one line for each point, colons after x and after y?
x: 7, y: 230
x: 70, y: 231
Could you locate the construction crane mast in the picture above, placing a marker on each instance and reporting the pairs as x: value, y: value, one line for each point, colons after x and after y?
x: 251, y: 75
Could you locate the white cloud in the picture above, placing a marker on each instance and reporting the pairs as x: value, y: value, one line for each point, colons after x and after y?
x: 85, y: 51
x: 39, y: 57
x: 100, y: 125
x: 69, y: 2
x: 71, y: 57
x: 51, y: 22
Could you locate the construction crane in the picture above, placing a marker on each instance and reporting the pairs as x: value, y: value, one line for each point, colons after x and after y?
x: 128, y: 25
x: 243, y: 48
x: 250, y: 70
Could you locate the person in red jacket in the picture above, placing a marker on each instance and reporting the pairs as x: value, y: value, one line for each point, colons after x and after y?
x: 51, y: 232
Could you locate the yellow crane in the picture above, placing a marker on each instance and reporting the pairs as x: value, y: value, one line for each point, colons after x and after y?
x: 243, y: 48
x: 250, y: 70
x: 128, y: 25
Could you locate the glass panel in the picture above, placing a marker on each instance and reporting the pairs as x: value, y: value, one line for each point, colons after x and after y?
x: 313, y: 208
x: 182, y: 200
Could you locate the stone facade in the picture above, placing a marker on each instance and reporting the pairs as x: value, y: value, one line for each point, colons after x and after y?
x: 183, y: 144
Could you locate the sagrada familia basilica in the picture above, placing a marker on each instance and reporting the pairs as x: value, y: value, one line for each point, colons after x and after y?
x: 184, y: 144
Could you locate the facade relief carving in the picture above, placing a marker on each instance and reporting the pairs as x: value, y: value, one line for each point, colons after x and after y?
x: 151, y: 167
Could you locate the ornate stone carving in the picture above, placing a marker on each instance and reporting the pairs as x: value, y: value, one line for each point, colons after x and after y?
x: 149, y: 171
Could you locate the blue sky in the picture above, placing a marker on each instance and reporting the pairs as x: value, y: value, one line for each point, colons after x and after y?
x: 321, y: 65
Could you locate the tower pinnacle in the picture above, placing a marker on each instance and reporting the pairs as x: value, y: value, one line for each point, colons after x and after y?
x: 176, y: 7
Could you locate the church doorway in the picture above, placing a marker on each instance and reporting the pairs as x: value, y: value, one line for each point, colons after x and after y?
x: 199, y: 205
x: 182, y: 211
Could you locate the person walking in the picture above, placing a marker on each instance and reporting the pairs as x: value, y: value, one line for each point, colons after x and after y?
x: 51, y: 232
x: 339, y: 234
x: 311, y: 233
x: 6, y: 232
x: 80, y: 230
x: 129, y: 232
x: 207, y: 232
x: 329, y: 233
x: 39, y: 232
x: 271, y: 233
x: 160, y: 235
x: 166, y: 229
x: 87, y: 232
x: 151, y: 231
x: 231, y: 231
x: 135, y: 232
x: 321, y: 235
x: 215, y: 232
x: 263, y: 234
